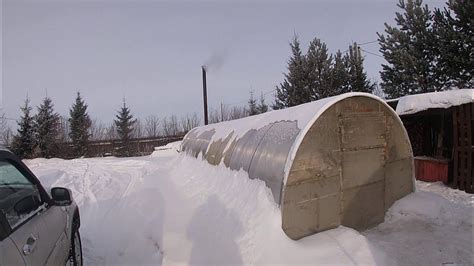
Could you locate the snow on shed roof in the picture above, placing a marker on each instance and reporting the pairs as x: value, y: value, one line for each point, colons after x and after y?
x: 412, y: 104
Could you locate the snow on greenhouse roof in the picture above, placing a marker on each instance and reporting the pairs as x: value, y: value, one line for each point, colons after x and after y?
x: 302, y: 114
x: 412, y: 104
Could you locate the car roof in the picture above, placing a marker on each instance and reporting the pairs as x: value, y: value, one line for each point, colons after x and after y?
x: 4, y: 148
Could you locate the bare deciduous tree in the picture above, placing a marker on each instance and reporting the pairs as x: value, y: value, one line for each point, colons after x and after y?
x: 238, y: 112
x: 219, y: 114
x: 63, y: 130
x: 225, y: 113
x: 152, y: 126
x: 138, y: 129
x: 7, y: 136
x: 6, y: 133
x: 97, y: 130
x: 214, y: 116
x: 189, y: 122
x: 171, y: 126
x: 111, y: 132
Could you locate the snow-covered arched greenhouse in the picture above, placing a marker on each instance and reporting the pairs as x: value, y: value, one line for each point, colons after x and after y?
x: 342, y: 160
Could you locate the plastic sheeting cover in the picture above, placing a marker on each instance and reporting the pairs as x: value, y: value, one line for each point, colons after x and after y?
x: 263, y: 145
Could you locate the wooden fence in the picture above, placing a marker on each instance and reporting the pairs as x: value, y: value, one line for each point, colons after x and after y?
x: 138, y: 147
x: 463, y: 141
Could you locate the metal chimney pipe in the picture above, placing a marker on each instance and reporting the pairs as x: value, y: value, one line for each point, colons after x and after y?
x: 204, y: 94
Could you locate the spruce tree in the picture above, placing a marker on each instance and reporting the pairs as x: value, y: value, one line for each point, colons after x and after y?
x: 79, y: 124
x: 262, y: 107
x: 294, y: 89
x: 319, y: 70
x: 340, y: 74
x: 409, y: 52
x: 321, y: 74
x: 357, y: 77
x: 46, y: 126
x: 24, y: 142
x: 124, y: 123
x: 455, y: 43
x: 252, y: 105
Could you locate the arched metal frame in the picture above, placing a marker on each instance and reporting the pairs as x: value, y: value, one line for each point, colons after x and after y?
x: 327, y: 163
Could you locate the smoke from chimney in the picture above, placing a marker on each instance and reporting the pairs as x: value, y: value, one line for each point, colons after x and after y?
x: 215, y: 61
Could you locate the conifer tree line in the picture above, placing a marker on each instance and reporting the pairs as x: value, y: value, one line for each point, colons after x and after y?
x: 44, y: 133
x: 425, y: 51
x: 41, y: 134
x: 318, y: 74
x: 428, y: 50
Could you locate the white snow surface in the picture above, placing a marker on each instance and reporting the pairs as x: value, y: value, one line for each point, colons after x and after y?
x: 172, y: 209
x: 412, y: 104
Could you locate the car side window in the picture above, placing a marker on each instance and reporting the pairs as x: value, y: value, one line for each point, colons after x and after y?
x: 19, y: 198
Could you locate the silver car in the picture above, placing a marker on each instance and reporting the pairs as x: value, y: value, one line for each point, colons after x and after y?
x: 36, y: 228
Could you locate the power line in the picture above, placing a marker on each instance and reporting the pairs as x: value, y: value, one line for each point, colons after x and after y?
x: 8, y: 118
x: 268, y: 92
x: 235, y: 103
x: 360, y: 44
x: 367, y: 42
x: 372, y: 53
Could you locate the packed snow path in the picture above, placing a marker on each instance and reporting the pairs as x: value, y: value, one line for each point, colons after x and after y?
x: 171, y: 209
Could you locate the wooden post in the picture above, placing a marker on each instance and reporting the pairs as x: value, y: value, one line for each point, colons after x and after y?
x: 469, y: 148
x: 455, y: 148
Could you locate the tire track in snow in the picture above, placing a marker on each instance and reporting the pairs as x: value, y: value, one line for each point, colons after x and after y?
x: 122, y: 195
x: 133, y: 174
x: 86, y: 184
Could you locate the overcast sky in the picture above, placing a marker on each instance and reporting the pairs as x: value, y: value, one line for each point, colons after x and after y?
x: 150, y: 52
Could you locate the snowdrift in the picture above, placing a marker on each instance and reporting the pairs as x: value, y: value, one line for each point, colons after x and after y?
x: 342, y: 160
x: 171, y: 209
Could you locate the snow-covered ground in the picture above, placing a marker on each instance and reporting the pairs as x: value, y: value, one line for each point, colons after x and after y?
x: 172, y: 209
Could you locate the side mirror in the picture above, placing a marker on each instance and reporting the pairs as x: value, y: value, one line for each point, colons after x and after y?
x: 5, y: 228
x: 61, y: 196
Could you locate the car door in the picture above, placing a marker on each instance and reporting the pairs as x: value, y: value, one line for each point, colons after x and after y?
x: 22, y: 206
x: 55, y: 220
x: 30, y: 239
x: 9, y: 253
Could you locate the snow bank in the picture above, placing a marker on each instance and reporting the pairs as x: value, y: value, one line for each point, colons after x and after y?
x: 117, y: 224
x: 234, y: 220
x: 416, y: 103
x: 171, y: 209
x: 433, y: 226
